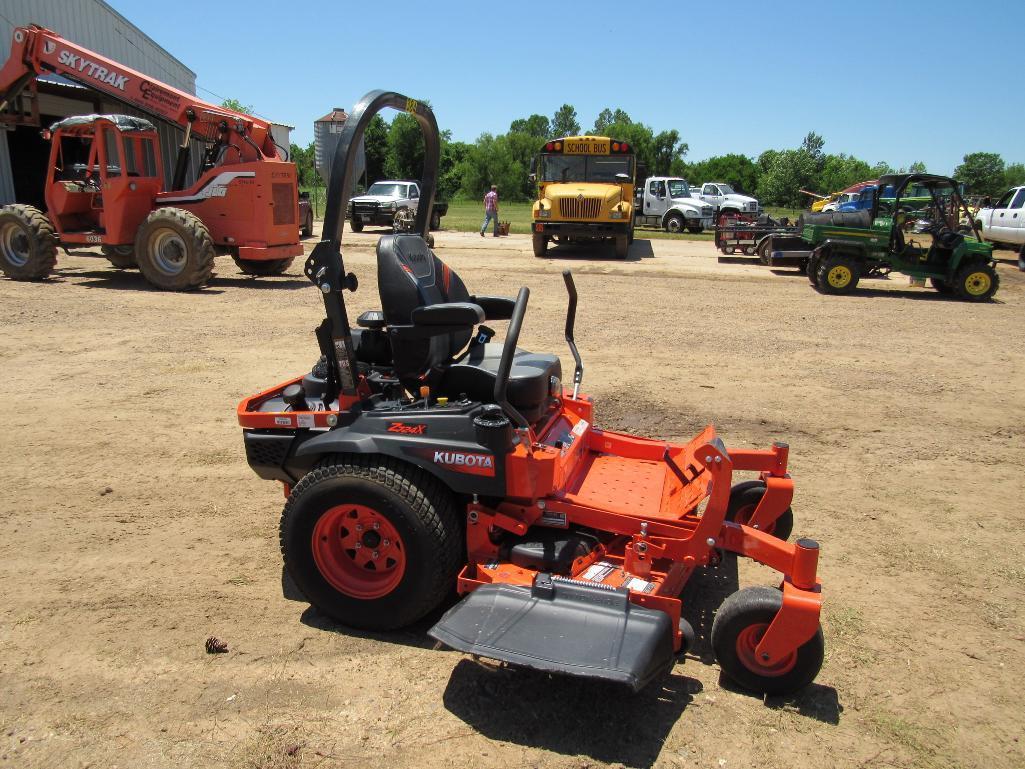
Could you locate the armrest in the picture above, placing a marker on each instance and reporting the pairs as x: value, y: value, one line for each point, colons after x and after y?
x: 450, y: 314
x: 495, y: 307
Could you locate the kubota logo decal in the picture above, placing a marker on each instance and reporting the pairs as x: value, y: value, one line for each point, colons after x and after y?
x: 476, y: 464
x: 407, y: 429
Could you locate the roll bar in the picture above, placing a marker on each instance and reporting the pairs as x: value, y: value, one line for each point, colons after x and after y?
x: 571, y: 316
x: 325, y: 267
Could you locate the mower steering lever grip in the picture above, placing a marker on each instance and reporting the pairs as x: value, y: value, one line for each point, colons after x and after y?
x: 508, y: 353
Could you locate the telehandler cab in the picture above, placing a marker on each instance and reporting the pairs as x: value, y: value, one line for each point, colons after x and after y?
x: 419, y: 457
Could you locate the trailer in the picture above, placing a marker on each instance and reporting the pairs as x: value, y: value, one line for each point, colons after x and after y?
x: 750, y: 234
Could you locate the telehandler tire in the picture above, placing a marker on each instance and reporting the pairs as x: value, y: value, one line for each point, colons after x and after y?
x: 540, y: 243
x: 120, y: 257
x: 174, y: 250
x: 264, y: 266
x: 976, y: 282
x: 739, y: 625
x: 28, y: 243
x: 372, y: 542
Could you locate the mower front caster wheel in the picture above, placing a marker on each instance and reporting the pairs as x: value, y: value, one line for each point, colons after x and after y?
x: 740, y: 624
x: 744, y: 500
x: 371, y: 542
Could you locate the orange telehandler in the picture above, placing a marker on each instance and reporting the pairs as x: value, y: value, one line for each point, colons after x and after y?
x: 105, y: 183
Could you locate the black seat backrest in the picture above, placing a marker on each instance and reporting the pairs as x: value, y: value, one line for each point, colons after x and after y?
x: 409, y: 275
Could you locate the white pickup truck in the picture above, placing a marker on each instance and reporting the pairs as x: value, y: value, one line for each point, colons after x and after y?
x: 1004, y: 223
x: 725, y: 200
x: 667, y: 202
x: 380, y: 205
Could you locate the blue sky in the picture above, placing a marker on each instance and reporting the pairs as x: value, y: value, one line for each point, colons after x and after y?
x: 895, y: 81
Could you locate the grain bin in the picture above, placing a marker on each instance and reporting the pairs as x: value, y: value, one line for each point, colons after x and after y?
x: 326, y: 133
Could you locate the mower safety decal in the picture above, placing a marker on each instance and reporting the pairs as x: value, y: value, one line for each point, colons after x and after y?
x: 597, y: 572
x: 639, y: 585
x: 283, y: 421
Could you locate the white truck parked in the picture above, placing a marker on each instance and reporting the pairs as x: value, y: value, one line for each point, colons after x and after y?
x: 1004, y: 223
x: 667, y: 202
x: 725, y: 200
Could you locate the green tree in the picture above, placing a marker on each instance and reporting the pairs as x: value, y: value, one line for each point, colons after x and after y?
x: 537, y: 126
x: 490, y: 161
x: 737, y: 170
x: 788, y: 173
x: 375, y: 143
x: 405, y: 158
x: 918, y: 167
x: 982, y: 172
x: 565, y: 123
x: 607, y: 118
x: 1014, y: 175
x: 304, y: 158
x: 813, y: 144
x: 237, y: 106
x: 839, y: 172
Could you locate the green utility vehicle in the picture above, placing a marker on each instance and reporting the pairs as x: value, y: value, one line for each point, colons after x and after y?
x: 843, y: 247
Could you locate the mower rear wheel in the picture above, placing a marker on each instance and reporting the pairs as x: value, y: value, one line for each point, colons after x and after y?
x: 371, y: 542
x: 120, y: 257
x: 174, y: 250
x: 28, y: 243
x: 540, y: 243
x: 739, y: 625
x: 837, y: 274
x: 976, y: 282
x: 264, y: 266
x: 744, y: 499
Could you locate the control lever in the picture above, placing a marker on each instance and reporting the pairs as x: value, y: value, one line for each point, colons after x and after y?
x: 571, y: 316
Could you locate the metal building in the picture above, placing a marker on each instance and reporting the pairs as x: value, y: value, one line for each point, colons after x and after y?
x: 97, y: 26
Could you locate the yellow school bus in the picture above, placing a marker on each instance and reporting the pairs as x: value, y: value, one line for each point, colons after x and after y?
x: 585, y: 192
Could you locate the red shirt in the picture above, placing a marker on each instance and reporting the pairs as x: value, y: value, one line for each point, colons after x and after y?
x: 491, y: 201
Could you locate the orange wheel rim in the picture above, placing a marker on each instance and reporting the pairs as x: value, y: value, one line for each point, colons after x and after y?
x: 747, y: 642
x: 358, y: 551
x: 743, y: 517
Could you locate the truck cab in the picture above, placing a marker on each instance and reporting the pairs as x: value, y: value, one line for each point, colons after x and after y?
x: 1005, y: 221
x: 726, y: 200
x: 666, y: 202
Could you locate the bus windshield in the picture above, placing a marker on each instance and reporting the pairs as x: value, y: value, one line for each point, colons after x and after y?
x: 585, y: 168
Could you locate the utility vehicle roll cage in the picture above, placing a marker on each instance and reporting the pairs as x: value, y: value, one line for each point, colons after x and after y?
x: 900, y: 182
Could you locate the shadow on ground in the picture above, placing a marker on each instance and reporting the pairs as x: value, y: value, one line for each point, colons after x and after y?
x: 568, y: 715
x: 132, y: 280
x: 601, y: 252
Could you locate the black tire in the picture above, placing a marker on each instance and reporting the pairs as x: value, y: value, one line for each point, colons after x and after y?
x: 264, y: 267
x: 356, y: 224
x: 674, y: 223
x: 696, y: 230
x: 812, y: 269
x: 28, y: 243
x: 942, y: 286
x: 837, y: 274
x: 729, y: 250
x: 622, y: 246
x: 630, y: 234
x: 750, y: 250
x: 416, y: 505
x: 435, y: 221
x: 738, y: 619
x: 120, y: 257
x: 540, y: 243
x: 976, y: 282
x: 744, y: 498
x: 174, y: 250
x: 764, y: 248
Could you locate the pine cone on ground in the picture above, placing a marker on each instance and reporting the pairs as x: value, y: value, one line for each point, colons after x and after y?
x: 215, y: 645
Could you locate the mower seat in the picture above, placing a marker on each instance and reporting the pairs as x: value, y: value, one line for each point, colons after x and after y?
x: 411, y: 277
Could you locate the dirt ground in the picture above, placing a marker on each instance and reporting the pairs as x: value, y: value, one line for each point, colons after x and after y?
x: 133, y: 528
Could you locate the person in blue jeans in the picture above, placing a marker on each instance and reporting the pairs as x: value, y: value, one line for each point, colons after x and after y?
x: 490, y: 210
